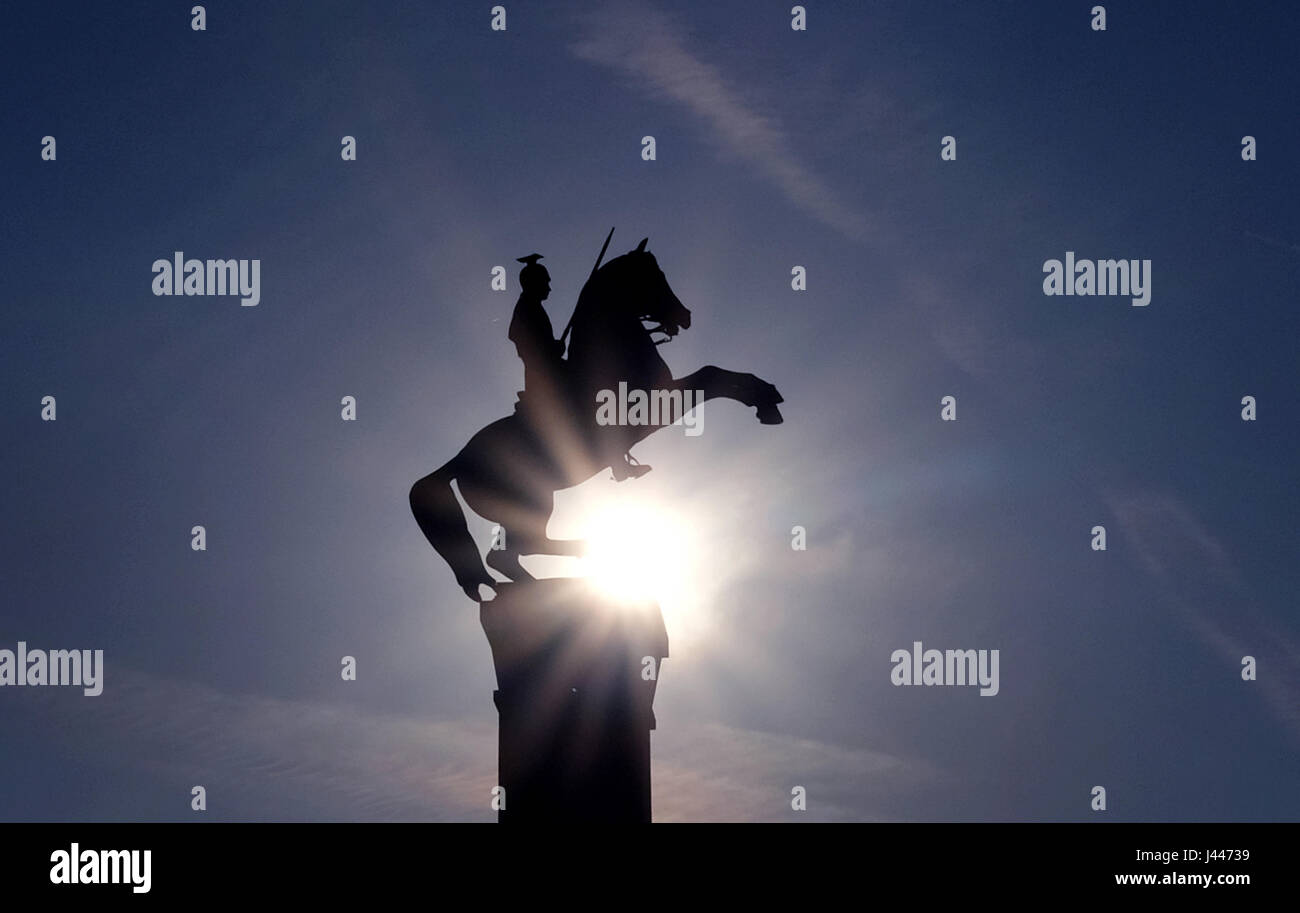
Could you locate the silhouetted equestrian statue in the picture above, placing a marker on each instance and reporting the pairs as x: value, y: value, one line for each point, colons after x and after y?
x: 575, y: 717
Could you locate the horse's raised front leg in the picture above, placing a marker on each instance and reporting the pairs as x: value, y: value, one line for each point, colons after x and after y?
x: 748, y: 389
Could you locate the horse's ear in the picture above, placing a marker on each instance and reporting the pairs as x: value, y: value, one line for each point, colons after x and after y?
x: 641, y: 247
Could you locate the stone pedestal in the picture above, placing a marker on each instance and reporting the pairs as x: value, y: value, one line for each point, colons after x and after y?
x: 574, y: 700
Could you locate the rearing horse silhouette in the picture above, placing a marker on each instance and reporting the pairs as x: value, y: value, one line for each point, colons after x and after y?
x: 509, y: 472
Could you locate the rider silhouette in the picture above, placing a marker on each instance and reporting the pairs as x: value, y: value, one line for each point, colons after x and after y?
x: 543, y: 358
x: 530, y: 331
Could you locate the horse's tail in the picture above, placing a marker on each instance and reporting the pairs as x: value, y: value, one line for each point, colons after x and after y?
x: 442, y: 521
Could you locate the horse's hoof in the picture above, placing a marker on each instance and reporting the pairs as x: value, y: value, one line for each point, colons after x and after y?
x: 768, y: 414
x: 475, y: 594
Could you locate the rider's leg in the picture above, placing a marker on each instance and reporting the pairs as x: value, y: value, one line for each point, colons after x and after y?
x: 613, y: 445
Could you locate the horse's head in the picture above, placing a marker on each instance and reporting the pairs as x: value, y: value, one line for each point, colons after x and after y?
x: 647, y: 295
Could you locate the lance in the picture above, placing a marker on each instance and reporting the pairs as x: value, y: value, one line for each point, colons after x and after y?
x: 601, y: 256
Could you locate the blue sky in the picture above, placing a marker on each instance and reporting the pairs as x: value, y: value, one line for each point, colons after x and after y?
x: 775, y: 148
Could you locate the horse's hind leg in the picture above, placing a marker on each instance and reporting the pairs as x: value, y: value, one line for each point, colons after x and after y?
x: 531, y: 538
x: 522, y: 529
x: 503, y: 509
x: 504, y: 559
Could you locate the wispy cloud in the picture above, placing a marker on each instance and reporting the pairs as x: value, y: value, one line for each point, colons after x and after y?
x: 344, y: 762
x: 1200, y: 581
x: 331, y: 761
x: 712, y: 772
x: 645, y: 44
x: 1274, y: 242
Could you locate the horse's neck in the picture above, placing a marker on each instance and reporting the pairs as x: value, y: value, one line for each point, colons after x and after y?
x: 600, y: 327
x: 611, y: 339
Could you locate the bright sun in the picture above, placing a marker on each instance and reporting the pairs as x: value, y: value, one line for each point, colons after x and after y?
x: 637, y: 552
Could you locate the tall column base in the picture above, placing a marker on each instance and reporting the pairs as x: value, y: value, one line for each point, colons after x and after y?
x: 574, y: 700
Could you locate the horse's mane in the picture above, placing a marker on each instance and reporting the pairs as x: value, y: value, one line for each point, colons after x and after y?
x: 595, y: 300
x: 596, y: 290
